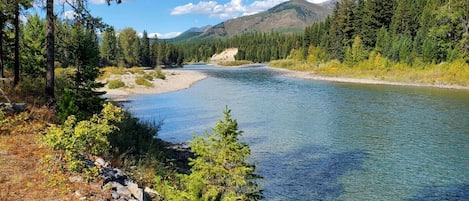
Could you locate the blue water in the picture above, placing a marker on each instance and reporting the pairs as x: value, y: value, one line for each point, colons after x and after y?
x: 314, y: 140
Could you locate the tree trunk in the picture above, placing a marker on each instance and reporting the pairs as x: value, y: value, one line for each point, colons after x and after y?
x: 2, y: 24
x: 17, y: 46
x: 50, y: 52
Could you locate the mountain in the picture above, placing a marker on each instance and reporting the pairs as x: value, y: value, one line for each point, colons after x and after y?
x: 330, y: 4
x: 190, y: 33
x: 288, y: 17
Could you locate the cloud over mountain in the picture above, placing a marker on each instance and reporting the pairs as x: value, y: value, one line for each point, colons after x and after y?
x: 232, y: 9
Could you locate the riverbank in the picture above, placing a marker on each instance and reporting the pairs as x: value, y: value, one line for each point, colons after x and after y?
x: 312, y: 76
x: 174, y: 80
x: 445, y: 75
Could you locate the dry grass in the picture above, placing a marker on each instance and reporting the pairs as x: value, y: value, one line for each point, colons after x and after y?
x: 22, y: 174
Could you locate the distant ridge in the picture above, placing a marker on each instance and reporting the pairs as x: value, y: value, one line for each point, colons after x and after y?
x: 288, y: 17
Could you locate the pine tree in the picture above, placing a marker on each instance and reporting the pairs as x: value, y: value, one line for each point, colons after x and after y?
x: 108, y: 49
x: 345, y: 18
x: 145, y: 49
x: 220, y: 170
x: 154, y: 51
x: 378, y: 14
x: 81, y: 100
x: 34, y: 47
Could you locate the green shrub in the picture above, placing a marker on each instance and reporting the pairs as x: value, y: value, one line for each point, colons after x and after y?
x: 159, y: 74
x: 136, y: 70
x: 75, y: 140
x: 115, y: 84
x: 140, y: 80
x: 82, y: 103
x: 148, y: 77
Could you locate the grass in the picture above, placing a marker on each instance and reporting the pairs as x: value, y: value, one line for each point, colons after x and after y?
x: 115, y: 84
x: 158, y: 74
x: 141, y: 80
x: 107, y: 71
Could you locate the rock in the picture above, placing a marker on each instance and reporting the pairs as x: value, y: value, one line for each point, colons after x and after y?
x: 115, y: 195
x: 74, y: 179
x: 80, y: 195
x: 100, y: 162
x: 151, y: 192
x: 113, y: 174
x: 135, y: 190
x: 121, y: 186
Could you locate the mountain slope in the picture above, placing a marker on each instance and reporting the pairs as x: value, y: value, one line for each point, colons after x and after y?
x: 287, y: 17
x: 187, y: 35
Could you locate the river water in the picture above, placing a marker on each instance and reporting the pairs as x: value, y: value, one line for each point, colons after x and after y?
x: 314, y: 140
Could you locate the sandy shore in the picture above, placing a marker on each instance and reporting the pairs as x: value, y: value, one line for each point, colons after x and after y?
x: 175, y: 80
x: 308, y: 75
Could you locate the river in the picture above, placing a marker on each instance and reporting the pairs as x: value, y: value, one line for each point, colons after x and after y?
x: 315, y: 140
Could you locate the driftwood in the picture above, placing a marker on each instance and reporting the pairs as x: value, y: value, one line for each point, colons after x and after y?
x: 16, y: 107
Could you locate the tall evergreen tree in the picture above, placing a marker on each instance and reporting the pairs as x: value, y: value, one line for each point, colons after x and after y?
x: 34, y: 49
x: 81, y: 100
x: 108, y: 48
x: 335, y: 36
x: 154, y: 51
x: 345, y: 18
x: 145, y: 49
x: 220, y: 170
x: 378, y: 14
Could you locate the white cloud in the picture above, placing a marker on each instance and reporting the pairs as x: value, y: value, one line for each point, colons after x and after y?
x: 160, y: 35
x: 166, y: 35
x: 232, y: 9
x: 98, y: 1
x: 69, y: 15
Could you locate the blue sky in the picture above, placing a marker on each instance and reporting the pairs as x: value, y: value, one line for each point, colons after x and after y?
x: 168, y: 18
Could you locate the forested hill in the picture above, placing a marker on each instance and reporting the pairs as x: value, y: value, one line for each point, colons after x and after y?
x: 287, y: 17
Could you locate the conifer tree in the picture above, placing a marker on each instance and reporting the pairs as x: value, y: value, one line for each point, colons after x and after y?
x: 81, y: 100
x: 220, y: 170
x: 378, y: 14
x: 108, y: 49
x: 145, y: 50
x: 154, y: 51
x: 34, y: 47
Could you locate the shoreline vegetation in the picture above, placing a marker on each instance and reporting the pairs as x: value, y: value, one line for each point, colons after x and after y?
x: 375, y: 70
x: 445, y: 75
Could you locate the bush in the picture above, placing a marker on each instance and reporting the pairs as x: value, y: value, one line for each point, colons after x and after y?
x: 108, y: 70
x: 115, y: 84
x: 140, y: 80
x: 158, y: 73
x: 82, y: 103
x: 76, y: 140
x: 148, y: 77
x: 136, y: 70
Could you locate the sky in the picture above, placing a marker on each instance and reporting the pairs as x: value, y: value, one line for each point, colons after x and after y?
x: 169, y: 18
